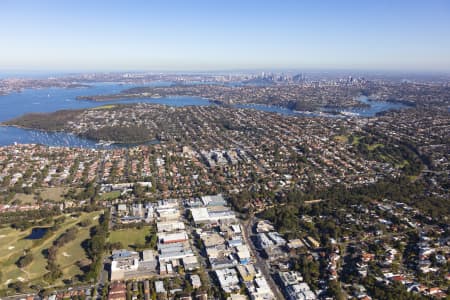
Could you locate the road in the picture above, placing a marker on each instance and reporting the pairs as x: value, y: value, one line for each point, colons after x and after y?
x: 71, y: 289
x: 260, y: 262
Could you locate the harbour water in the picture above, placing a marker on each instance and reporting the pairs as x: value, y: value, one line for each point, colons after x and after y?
x: 374, y: 107
x: 49, y: 100
x: 53, y: 99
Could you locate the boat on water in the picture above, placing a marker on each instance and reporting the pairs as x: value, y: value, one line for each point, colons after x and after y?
x: 104, y: 143
x: 350, y: 114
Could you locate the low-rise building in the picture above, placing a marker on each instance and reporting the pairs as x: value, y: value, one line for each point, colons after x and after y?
x: 228, y: 279
x: 300, y: 291
x: 159, y: 287
x: 290, y: 278
x: 190, y: 263
x: 204, y: 215
x: 195, y: 281
x: 169, y: 226
x: 247, y: 272
x: 127, y: 265
x: 243, y: 254
x: 170, y: 238
x: 117, y: 291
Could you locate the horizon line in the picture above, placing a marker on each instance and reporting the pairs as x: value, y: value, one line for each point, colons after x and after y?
x: 25, y: 71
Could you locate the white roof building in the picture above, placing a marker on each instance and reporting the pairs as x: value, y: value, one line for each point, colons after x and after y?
x: 216, y: 200
x: 242, y: 252
x: 261, y: 290
x: 159, y: 287
x: 200, y: 214
x: 169, y: 226
x: 203, y: 215
x: 228, y: 279
x: 195, y: 281
x: 300, y: 291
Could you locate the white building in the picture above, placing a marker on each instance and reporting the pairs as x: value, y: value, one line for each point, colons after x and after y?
x: 203, y: 215
x: 228, y: 279
x: 195, y: 281
x: 159, y: 287
x: 216, y: 200
x: 260, y: 290
x: 169, y: 226
x: 300, y: 291
x: 129, y: 265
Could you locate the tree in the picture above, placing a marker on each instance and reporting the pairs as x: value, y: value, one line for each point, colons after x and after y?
x: 18, y: 286
x: 25, y: 260
x: 335, y: 290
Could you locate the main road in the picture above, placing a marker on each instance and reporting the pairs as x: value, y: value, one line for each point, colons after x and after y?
x: 260, y: 263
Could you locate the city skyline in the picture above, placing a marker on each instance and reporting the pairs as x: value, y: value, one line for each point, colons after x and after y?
x: 204, y: 36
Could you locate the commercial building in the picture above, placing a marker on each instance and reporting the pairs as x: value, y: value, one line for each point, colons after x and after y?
x: 202, y: 215
x: 300, y: 291
x: 190, y: 263
x: 170, y: 238
x: 290, y: 278
x: 127, y: 265
x: 259, y: 289
x: 169, y: 226
x: 228, y: 279
x: 216, y: 200
x: 247, y: 272
x: 243, y: 254
x: 173, y: 251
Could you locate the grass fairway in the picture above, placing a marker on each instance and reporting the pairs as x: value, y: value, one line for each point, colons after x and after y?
x: 53, y: 193
x: 70, y: 253
x: 13, y: 243
x: 129, y: 237
x: 110, y: 196
x: 24, y: 198
x: 374, y: 146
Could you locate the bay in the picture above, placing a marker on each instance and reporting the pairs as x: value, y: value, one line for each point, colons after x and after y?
x: 52, y: 99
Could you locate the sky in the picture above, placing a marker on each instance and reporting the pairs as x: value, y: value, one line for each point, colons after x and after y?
x: 110, y: 35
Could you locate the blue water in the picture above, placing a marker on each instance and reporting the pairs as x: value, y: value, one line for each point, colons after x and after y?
x: 53, y: 99
x: 11, y: 135
x: 37, y: 233
x: 375, y: 107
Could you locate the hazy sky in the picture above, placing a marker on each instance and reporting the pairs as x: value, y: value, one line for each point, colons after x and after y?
x: 231, y: 34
